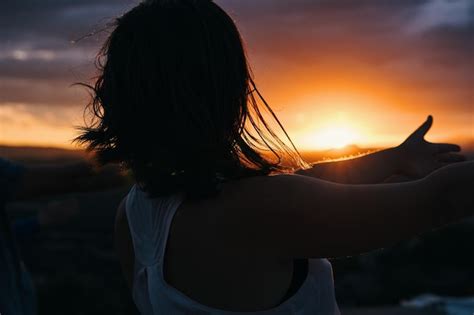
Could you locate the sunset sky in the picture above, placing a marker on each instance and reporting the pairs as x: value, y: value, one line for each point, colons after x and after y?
x: 336, y: 72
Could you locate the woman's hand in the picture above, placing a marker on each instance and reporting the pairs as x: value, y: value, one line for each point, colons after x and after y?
x: 418, y: 157
x: 415, y: 158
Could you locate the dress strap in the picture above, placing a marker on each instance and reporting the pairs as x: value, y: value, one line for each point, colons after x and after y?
x: 149, y: 220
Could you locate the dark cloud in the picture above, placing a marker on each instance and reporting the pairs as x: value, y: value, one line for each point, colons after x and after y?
x: 58, y: 19
x: 38, y: 61
x: 417, y: 47
x: 297, y: 38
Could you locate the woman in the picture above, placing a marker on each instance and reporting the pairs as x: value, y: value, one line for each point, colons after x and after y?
x: 208, y: 228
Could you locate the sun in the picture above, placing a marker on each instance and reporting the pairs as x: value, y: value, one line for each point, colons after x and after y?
x: 334, y: 137
x: 333, y: 134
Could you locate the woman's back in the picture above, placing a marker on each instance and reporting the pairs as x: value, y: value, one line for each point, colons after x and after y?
x: 176, y: 104
x: 205, y: 270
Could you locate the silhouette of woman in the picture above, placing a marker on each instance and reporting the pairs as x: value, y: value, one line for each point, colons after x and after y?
x: 218, y: 222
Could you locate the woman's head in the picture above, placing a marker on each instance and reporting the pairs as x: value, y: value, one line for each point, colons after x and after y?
x: 174, y: 100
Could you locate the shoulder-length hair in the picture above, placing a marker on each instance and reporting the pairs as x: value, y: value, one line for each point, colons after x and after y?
x: 175, y: 102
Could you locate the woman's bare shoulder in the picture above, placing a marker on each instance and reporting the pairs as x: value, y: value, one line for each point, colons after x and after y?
x: 245, y: 212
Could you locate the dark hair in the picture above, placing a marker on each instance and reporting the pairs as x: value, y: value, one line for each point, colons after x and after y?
x: 175, y: 103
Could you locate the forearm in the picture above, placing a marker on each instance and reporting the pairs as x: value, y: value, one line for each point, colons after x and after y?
x: 383, y: 215
x: 361, y: 218
x: 328, y: 219
x: 372, y: 168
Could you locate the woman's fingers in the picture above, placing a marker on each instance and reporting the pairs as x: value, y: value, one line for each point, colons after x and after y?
x: 419, y: 134
x: 450, y: 158
x: 445, y: 147
x: 424, y: 128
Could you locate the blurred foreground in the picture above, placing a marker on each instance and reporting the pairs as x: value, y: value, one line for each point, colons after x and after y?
x: 75, y: 268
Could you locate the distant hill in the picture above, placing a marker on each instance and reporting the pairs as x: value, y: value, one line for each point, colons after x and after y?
x: 349, y: 151
x: 41, y: 154
x: 352, y: 151
x: 56, y: 155
x: 51, y: 155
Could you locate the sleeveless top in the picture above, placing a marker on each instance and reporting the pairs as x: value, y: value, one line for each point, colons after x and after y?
x: 149, y: 222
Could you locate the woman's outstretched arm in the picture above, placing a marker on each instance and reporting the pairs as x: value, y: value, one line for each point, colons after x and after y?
x: 372, y: 168
x: 298, y: 216
x: 413, y: 159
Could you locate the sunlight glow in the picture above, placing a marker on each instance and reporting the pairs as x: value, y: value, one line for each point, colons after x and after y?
x: 41, y: 125
x: 335, y: 137
x: 333, y: 134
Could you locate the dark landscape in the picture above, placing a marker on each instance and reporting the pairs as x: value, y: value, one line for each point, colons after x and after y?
x: 76, y: 271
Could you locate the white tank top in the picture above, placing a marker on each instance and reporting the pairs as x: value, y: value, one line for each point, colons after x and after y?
x: 149, y: 222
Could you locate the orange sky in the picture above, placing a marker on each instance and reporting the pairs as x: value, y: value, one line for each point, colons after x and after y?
x: 335, y: 72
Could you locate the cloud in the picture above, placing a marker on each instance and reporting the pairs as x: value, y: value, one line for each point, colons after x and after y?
x: 420, y: 48
x: 38, y: 125
x: 442, y: 13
